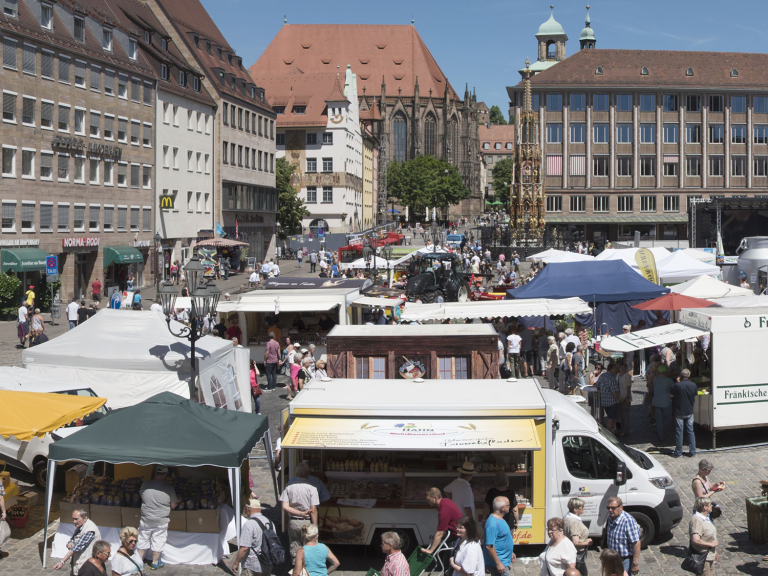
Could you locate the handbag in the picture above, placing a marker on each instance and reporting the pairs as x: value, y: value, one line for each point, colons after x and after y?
x: 5, y: 532
x: 694, y: 561
x: 132, y: 562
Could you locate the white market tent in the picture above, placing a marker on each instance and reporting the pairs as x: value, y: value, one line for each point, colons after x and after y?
x: 657, y: 336
x: 701, y: 255
x: 554, y: 256
x: 494, y: 308
x: 752, y: 301
x: 709, y: 288
x: 679, y: 267
x: 628, y: 254
x: 129, y: 356
x: 360, y: 263
x: 422, y: 250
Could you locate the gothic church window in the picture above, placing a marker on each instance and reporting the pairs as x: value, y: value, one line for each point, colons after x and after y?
x: 430, y: 135
x: 400, y: 138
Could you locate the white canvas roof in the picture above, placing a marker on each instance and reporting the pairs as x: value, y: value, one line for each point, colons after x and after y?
x: 422, y: 330
x: 701, y: 255
x: 628, y: 254
x: 752, y: 301
x: 493, y: 308
x: 22, y: 380
x: 657, y: 336
x: 375, y: 302
x: 125, y: 356
x: 422, y: 250
x: 710, y: 288
x: 553, y: 255
x: 360, y: 263
x: 679, y: 266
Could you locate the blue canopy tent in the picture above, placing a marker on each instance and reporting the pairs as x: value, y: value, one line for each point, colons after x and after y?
x: 611, y: 285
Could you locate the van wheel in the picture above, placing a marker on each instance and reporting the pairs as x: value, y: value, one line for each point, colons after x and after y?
x: 647, y: 529
x: 40, y: 474
x: 408, y: 541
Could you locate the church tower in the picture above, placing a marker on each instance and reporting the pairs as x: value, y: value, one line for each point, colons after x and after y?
x: 527, y: 194
x: 587, y: 39
x: 551, y: 38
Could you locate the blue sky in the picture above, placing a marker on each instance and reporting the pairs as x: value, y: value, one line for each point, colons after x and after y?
x: 485, y: 43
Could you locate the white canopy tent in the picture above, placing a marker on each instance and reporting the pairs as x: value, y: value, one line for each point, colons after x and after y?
x: 494, y: 308
x: 554, y: 256
x: 360, y: 263
x: 628, y: 254
x: 374, y: 302
x: 752, y: 301
x: 422, y: 250
x: 129, y: 356
x: 701, y: 255
x: 679, y: 267
x: 657, y: 336
x: 710, y: 288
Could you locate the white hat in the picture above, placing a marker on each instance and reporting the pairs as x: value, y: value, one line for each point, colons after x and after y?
x: 466, y: 468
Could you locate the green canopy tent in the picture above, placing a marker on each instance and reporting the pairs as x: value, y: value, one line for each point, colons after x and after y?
x: 169, y: 430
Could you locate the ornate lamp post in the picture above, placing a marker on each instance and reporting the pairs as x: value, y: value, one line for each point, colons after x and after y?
x: 367, y: 251
x: 158, y: 265
x: 386, y: 253
x: 205, y: 299
x: 434, y: 231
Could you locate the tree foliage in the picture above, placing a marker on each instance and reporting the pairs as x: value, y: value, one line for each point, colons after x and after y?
x: 9, y: 293
x: 291, y: 207
x: 425, y: 182
x: 496, y: 117
x: 502, y: 172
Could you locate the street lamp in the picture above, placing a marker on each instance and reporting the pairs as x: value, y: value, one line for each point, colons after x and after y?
x: 386, y: 253
x: 157, y: 240
x: 204, y: 301
x: 435, y: 232
x: 367, y: 251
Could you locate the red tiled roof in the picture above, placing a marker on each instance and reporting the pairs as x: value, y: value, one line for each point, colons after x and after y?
x: 395, y: 52
x: 502, y: 133
x: 665, y: 68
x: 337, y: 94
x: 185, y: 12
x: 308, y: 90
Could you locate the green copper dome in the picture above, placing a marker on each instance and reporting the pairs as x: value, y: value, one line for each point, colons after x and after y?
x: 587, y: 33
x: 551, y: 27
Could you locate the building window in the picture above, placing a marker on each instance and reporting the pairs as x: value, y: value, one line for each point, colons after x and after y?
x: 46, y: 216
x: 46, y: 165
x: 135, y: 132
x: 79, y: 28
x: 535, y: 101
x: 232, y: 111
x: 94, y: 170
x: 9, y: 216
x: 554, y: 203
x: 109, y: 133
x: 63, y: 167
x: 27, y: 216
x: 600, y: 165
x: 29, y: 59
x: 148, y: 95
x: 299, y: 110
x: 79, y: 221
x: 600, y: 102
x: 28, y: 164
x: 132, y: 49
x: 578, y: 203
x: 122, y: 213
x: 109, y: 218
x: 46, y: 16
x: 601, y: 203
x: 693, y: 133
x: 240, y: 118
x: 311, y: 194
x: 670, y: 102
x: 624, y: 133
x: 738, y: 133
x: 327, y: 137
x: 327, y: 164
x: 647, y: 102
x: 371, y: 368
x: 28, y: 111
x: 108, y: 166
x: 46, y: 115
x: 430, y: 136
x: 147, y: 136
x: 624, y: 203
x: 647, y: 165
x: 146, y: 215
x: 279, y: 109
x: 311, y: 138
x: 106, y: 39
x: 64, y: 63
x: 95, y: 121
x: 134, y: 218
x: 195, y: 83
x: 146, y: 176
x: 497, y: 146
x: 624, y: 166
x: 554, y: 132
x: 578, y: 102
x: 670, y: 133
x: 79, y: 177
x: 738, y: 165
x: 671, y: 204
x: 624, y: 102
x: 9, y: 162
x: 760, y: 104
x: 9, y: 53
x: 122, y: 86
x: 46, y: 64
x: 554, y: 102
x: 135, y: 175
x: 760, y: 133
x: 761, y: 165
x: 738, y: 104
x: 93, y: 218
x: 453, y: 368
x: 577, y: 133
x: 327, y: 194
x: 400, y: 138
x: 670, y: 165
x: 122, y: 129
x: 716, y: 133
x: 647, y: 133
x: 601, y: 131
x: 716, y: 165
x: 9, y: 107
x: 63, y: 118
x: 693, y: 103
x: 693, y: 165
x: 135, y: 89
x: 716, y: 103
x: 647, y: 203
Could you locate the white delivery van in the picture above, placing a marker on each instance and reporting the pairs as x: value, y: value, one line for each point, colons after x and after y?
x: 32, y: 456
x: 733, y: 392
x: 379, y: 448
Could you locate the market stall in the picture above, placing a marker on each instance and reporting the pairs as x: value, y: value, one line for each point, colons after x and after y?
x: 218, y: 248
x: 168, y: 430
x: 553, y: 255
x: 710, y: 288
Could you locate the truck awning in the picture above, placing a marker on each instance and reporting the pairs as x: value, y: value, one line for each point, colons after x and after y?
x: 413, y: 434
x: 650, y: 337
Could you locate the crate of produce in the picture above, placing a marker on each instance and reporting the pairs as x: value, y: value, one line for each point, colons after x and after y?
x: 17, y: 516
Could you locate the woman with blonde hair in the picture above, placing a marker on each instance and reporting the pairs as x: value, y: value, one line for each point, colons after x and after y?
x: 575, y: 530
x: 313, y: 555
x: 127, y: 560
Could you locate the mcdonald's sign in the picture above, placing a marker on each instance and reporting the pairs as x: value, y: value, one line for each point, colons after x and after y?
x: 166, y: 202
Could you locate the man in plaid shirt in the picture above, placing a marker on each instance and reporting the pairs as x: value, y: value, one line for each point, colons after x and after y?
x: 623, y: 535
x: 395, y: 564
x: 609, y: 394
x: 81, y: 543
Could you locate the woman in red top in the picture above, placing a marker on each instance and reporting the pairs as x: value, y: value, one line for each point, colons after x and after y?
x: 255, y: 388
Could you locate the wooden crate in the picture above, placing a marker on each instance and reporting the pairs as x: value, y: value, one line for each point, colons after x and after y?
x: 757, y: 519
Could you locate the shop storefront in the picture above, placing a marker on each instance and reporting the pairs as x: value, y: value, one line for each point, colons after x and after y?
x: 25, y: 260
x: 124, y: 264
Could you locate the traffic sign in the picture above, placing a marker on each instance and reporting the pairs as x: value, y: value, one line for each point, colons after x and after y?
x: 52, y: 265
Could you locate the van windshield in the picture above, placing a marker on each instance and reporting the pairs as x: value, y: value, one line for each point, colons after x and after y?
x: 637, y: 457
x: 93, y: 416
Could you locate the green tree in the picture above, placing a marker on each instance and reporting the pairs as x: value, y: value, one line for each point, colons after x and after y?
x: 291, y: 208
x: 10, y: 287
x: 502, y: 172
x: 424, y: 182
x: 496, y: 117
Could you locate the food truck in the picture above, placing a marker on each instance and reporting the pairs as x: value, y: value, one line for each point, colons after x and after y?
x: 379, y: 448
x: 733, y: 391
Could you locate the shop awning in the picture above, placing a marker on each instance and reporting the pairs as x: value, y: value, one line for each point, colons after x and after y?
x: 657, y: 336
x: 374, y: 302
x: 269, y: 306
x: 22, y: 259
x: 26, y: 415
x: 492, y: 309
x: 413, y: 434
x: 122, y: 255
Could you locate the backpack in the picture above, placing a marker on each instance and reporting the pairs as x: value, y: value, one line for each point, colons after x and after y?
x: 272, y: 550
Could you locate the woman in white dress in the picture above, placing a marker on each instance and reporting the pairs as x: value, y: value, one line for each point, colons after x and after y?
x: 127, y: 560
x: 468, y: 560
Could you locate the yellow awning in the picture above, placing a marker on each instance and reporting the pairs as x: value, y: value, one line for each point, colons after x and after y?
x: 404, y: 434
x: 29, y: 414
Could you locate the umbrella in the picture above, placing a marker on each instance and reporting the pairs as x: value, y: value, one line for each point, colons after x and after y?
x: 673, y: 301
x: 393, y: 211
x: 29, y: 414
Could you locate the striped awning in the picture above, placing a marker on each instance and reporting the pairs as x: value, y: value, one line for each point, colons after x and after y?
x: 554, y: 165
x: 578, y: 165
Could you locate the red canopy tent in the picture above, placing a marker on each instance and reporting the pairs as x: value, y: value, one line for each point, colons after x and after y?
x: 673, y: 301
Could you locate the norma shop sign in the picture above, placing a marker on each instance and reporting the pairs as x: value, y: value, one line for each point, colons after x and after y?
x: 84, y: 244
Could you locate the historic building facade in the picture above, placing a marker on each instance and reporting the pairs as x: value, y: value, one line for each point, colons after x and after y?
x: 417, y: 111
x: 497, y: 143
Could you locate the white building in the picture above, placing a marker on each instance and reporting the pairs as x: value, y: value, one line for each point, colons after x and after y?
x: 318, y: 131
x: 184, y: 161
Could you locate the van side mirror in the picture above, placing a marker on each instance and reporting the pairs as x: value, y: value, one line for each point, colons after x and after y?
x: 621, y: 474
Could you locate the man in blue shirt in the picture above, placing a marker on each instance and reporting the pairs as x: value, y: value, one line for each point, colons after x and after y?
x: 498, y: 544
x: 623, y: 535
